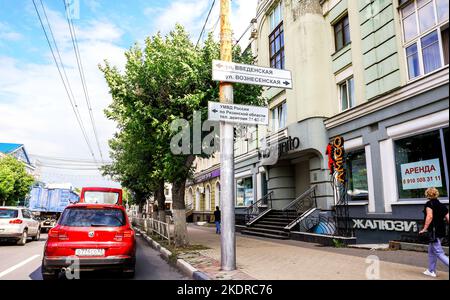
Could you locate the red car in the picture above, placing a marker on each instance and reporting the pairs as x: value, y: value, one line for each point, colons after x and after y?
x: 90, y: 237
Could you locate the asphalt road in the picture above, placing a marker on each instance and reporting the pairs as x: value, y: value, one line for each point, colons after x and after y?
x: 24, y: 263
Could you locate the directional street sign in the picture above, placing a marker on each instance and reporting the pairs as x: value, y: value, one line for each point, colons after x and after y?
x: 254, y: 75
x: 240, y: 114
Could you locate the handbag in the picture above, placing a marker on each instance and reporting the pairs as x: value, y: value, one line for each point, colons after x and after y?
x: 428, y: 237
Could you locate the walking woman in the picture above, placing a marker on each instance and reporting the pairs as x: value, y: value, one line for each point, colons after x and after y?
x: 435, y: 228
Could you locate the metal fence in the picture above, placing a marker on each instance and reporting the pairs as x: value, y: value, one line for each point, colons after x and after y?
x: 153, y: 226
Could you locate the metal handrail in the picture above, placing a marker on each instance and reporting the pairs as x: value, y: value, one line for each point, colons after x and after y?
x: 255, y: 208
x: 299, y: 203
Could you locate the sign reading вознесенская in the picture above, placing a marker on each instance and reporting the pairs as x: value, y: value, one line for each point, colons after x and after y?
x: 253, y: 75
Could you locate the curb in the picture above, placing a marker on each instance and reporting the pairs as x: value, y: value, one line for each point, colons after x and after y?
x: 181, y: 264
x: 412, y: 247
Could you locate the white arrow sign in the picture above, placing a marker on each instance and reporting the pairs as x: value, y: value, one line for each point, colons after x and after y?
x: 248, y: 74
x: 240, y: 114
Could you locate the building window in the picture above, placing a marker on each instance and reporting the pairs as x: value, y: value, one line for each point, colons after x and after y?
x: 358, y: 188
x: 244, y: 192
x: 425, y: 35
x: 276, y: 38
x: 420, y: 164
x: 279, y: 117
x: 252, y: 136
x: 342, y: 33
x: 347, y: 94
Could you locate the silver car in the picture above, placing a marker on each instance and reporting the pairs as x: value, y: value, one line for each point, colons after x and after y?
x: 17, y: 224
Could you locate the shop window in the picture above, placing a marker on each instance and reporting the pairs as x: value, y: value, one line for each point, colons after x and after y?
x: 420, y: 164
x: 276, y: 38
x: 279, y: 117
x: 425, y: 35
x: 358, y: 188
x: 342, y: 33
x: 347, y: 94
x: 244, y: 192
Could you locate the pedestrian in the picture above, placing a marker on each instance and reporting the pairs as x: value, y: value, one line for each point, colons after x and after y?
x: 434, y: 230
x: 217, y: 220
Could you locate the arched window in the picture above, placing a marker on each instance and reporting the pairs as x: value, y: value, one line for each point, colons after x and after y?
x: 198, y: 197
x: 208, y: 198
x: 217, y: 194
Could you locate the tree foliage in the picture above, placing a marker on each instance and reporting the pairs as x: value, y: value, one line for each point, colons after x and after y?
x: 165, y: 81
x: 15, y: 182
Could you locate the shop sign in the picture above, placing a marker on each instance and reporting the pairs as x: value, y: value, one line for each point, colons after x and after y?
x: 204, y: 177
x: 269, y: 155
x: 386, y: 225
x: 336, y: 162
x: 421, y: 175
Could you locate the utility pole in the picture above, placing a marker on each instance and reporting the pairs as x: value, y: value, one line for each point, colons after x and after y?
x: 228, y: 238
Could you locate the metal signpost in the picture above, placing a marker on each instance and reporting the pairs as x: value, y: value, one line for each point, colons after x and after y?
x: 227, y: 72
x: 249, y: 74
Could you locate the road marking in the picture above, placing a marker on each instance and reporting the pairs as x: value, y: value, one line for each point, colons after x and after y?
x: 19, y: 265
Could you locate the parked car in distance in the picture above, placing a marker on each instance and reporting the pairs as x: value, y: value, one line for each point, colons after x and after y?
x: 17, y: 224
x: 90, y: 237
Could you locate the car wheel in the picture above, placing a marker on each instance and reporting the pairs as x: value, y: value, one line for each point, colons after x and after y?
x: 23, y: 239
x: 38, y: 235
x: 50, y: 276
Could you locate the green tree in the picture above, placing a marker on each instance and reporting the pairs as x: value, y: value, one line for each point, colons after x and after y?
x: 168, y: 80
x: 15, y: 182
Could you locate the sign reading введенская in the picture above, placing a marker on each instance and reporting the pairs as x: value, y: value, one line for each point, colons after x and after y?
x: 249, y: 74
x: 421, y: 175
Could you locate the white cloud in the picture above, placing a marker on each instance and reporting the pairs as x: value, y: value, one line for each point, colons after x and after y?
x: 7, y: 34
x: 192, y: 14
x: 34, y: 107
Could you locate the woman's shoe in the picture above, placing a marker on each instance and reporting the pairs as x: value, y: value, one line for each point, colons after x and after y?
x: 431, y: 274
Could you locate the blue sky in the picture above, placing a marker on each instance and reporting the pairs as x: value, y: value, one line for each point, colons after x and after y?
x: 33, y: 104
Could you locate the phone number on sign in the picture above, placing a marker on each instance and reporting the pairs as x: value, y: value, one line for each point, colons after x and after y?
x: 422, y: 179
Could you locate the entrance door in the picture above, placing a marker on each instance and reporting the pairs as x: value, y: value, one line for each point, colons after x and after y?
x: 302, y: 178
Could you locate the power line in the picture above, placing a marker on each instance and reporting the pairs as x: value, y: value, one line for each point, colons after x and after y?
x: 82, y: 74
x: 64, y: 159
x: 206, y: 22
x: 64, y: 77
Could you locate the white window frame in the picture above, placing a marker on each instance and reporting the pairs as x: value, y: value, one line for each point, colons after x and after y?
x: 276, y: 122
x: 272, y: 21
x: 418, y: 39
x: 397, y: 132
x: 350, y: 104
x: 358, y: 144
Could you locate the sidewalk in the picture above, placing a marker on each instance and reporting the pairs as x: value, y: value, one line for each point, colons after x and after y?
x: 273, y: 260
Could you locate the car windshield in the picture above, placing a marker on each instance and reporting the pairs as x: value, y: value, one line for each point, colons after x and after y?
x: 101, y: 197
x: 8, y: 213
x: 83, y: 217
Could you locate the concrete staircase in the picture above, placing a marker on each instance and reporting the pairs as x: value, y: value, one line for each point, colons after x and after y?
x: 272, y: 225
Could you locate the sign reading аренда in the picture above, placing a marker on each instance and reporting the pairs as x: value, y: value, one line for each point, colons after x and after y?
x: 421, y: 175
x: 240, y: 114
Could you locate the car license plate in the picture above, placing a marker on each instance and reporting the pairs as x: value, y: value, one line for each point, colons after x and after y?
x: 89, y: 252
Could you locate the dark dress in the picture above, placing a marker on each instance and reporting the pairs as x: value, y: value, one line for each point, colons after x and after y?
x: 439, y: 212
